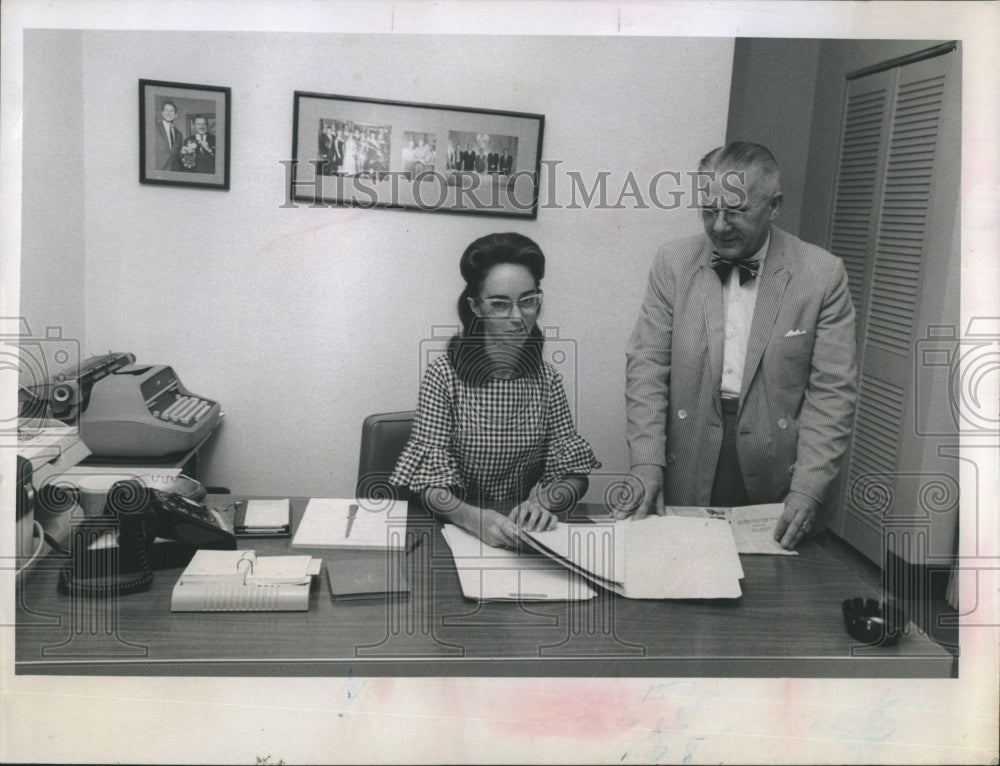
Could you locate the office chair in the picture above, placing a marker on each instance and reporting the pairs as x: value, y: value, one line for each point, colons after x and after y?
x: 383, y: 437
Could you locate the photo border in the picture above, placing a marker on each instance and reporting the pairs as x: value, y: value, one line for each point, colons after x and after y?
x: 149, y: 90
x: 431, y: 191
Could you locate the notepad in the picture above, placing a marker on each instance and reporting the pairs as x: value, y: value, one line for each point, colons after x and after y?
x: 497, y: 574
x: 658, y: 557
x: 352, y: 523
x: 360, y: 575
x: 263, y: 518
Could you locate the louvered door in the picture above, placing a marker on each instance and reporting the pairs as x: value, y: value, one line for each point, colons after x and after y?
x: 894, y: 213
x: 859, y: 180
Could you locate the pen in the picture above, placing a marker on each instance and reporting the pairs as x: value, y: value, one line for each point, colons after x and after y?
x: 352, y: 511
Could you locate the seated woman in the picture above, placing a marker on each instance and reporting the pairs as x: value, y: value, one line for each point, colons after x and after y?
x: 493, y: 444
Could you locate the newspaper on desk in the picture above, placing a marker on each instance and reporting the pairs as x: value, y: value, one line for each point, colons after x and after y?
x: 752, y: 525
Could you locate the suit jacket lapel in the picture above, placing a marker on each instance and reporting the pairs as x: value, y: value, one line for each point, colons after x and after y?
x: 711, y: 291
x: 773, y: 280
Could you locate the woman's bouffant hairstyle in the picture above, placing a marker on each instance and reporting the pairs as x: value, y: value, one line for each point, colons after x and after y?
x: 467, y: 350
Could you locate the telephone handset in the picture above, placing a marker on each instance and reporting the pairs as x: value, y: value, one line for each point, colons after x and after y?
x: 142, y: 514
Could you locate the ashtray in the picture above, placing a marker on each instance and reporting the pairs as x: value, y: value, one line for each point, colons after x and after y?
x: 872, y: 622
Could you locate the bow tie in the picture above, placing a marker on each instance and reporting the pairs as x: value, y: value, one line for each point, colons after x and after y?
x: 747, y: 268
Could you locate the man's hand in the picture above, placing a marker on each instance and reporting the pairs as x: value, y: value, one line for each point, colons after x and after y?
x: 645, y: 483
x: 796, y: 520
x: 531, y: 516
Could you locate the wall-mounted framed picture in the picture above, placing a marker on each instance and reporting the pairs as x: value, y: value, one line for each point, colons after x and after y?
x: 372, y: 153
x: 184, y: 134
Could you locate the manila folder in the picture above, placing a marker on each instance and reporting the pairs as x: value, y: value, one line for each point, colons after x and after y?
x: 657, y: 557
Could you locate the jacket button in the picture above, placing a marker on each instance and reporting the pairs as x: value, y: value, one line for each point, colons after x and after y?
x: 791, y: 468
x: 782, y: 423
x: 682, y: 414
x: 671, y: 458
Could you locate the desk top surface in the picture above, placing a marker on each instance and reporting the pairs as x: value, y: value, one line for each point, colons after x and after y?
x: 787, y: 623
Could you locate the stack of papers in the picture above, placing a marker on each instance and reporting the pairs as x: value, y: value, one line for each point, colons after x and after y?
x: 497, y: 574
x: 52, y: 447
x: 263, y: 518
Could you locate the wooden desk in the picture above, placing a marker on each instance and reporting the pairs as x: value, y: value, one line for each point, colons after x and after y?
x: 788, y: 623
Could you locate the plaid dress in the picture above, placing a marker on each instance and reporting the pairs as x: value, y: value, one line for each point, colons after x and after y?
x: 491, y: 444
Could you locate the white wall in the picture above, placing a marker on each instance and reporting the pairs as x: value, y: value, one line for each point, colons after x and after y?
x: 301, y: 322
x: 53, y: 192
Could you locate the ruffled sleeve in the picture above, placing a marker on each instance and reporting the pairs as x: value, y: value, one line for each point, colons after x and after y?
x: 426, y: 460
x: 568, y: 456
x: 567, y: 452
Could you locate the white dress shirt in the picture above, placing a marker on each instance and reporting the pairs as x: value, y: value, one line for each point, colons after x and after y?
x: 738, y: 302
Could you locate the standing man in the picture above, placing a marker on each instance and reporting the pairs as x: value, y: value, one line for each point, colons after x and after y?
x: 168, y: 139
x: 338, y: 148
x: 327, y: 151
x: 741, y: 377
x: 205, y: 155
x: 506, y: 162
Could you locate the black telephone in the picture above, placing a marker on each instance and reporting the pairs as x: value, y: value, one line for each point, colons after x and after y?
x: 141, y: 515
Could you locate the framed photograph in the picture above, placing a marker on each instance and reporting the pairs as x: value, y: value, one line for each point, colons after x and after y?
x: 184, y: 134
x: 446, y: 159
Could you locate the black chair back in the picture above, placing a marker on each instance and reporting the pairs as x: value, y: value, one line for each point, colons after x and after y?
x: 383, y: 437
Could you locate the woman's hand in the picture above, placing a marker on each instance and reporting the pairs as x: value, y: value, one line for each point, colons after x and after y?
x: 531, y: 516
x: 496, y: 529
x: 492, y: 527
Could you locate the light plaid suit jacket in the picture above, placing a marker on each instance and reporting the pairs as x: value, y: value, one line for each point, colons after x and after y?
x: 799, y: 385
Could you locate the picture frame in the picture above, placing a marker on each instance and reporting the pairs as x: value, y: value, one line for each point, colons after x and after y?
x: 196, y: 148
x: 364, y: 152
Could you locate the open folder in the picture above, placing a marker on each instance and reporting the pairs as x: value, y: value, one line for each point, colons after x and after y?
x: 657, y: 557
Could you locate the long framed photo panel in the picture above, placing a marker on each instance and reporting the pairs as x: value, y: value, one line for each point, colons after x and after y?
x: 184, y: 134
x: 371, y: 153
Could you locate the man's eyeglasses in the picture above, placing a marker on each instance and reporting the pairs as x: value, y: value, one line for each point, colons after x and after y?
x: 729, y: 214
x: 502, y: 307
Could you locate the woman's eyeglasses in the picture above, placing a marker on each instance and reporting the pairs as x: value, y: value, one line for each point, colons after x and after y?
x: 529, y: 304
